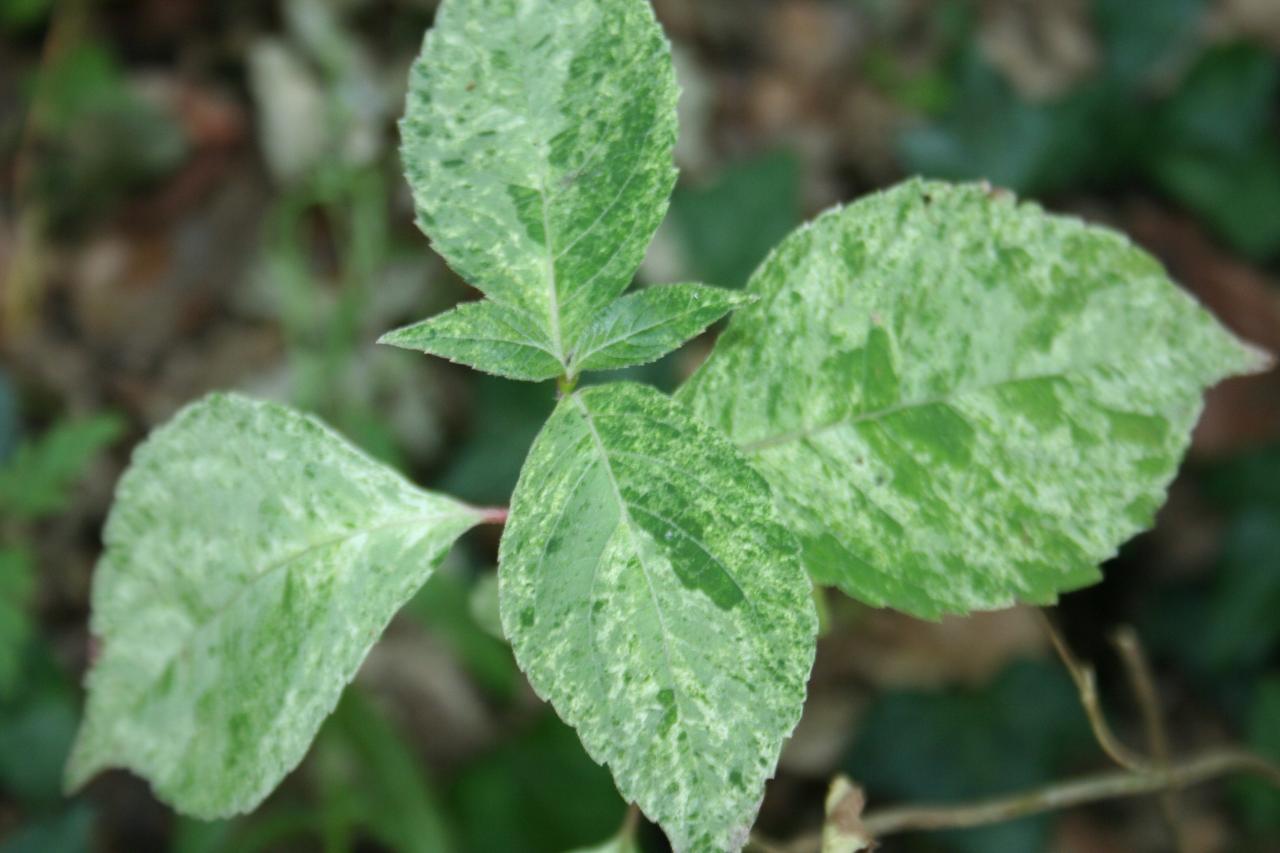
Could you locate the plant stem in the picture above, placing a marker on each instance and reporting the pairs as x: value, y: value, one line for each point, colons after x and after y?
x: 1112, y: 785
x: 495, y: 515
x: 1088, y: 789
x: 1143, y: 683
x: 1086, y: 684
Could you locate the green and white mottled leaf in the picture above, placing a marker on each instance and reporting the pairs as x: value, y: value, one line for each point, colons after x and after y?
x: 646, y: 325
x: 487, y: 336
x: 652, y: 596
x: 538, y: 142
x: 960, y: 401
x: 253, y: 558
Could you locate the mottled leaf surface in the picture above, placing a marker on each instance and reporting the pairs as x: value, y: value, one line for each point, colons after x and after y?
x: 653, y: 597
x: 960, y: 401
x: 487, y: 336
x: 646, y: 325
x: 538, y: 142
x: 253, y: 557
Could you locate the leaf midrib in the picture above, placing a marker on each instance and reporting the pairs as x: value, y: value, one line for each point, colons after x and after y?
x: 634, y: 530
x: 803, y: 433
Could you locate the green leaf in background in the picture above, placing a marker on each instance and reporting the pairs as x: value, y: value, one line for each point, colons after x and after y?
x: 1236, y: 616
x: 617, y: 844
x: 644, y: 326
x: 37, y: 725
x: 1259, y: 800
x: 538, y: 142
x: 9, y: 424
x: 1140, y: 39
x: 253, y: 558
x: 67, y: 831
x: 726, y: 227
x: 37, y: 479
x: 444, y: 608
x: 1216, y: 146
x: 20, y: 14
x: 537, y: 792
x: 17, y: 583
x: 370, y: 774
x: 487, y: 336
x: 652, y: 597
x: 961, y: 401
x: 991, y: 133
x: 504, y: 419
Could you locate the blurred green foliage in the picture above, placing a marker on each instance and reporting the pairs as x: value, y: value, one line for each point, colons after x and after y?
x: 21, y: 14
x: 727, y: 226
x: 35, y: 483
x: 1201, y: 130
x: 1221, y: 630
x: 1258, y: 801
x: 38, y: 719
x: 98, y: 140
x: 444, y: 608
x: 537, y: 792
x: 35, y: 480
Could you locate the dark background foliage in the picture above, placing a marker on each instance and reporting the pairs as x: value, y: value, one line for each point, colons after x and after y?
x: 204, y: 194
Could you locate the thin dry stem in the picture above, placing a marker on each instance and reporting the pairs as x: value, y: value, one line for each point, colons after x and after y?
x: 1112, y: 785
x: 1087, y: 685
x: 1076, y: 792
x: 494, y: 515
x: 1143, y: 684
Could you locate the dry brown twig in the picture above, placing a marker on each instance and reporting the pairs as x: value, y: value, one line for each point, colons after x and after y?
x: 1139, y: 775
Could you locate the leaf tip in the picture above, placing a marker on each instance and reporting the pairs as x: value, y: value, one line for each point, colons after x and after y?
x: 1256, y: 359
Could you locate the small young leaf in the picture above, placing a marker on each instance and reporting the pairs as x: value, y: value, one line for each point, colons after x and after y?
x: 487, y: 336
x: 538, y: 142
x: 253, y: 557
x: 960, y: 401
x: 646, y: 325
x: 653, y: 598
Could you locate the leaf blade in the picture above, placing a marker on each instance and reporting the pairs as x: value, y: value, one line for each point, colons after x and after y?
x: 962, y: 402
x: 644, y: 326
x: 231, y: 614
x: 484, y: 335
x: 538, y: 141
x: 674, y: 628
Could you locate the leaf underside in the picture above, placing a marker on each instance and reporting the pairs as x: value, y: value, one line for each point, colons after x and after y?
x: 652, y: 596
x: 253, y: 558
x: 961, y: 401
x: 538, y: 141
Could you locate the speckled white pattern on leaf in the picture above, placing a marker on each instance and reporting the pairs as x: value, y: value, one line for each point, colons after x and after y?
x: 253, y: 558
x: 653, y: 597
x: 961, y: 401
